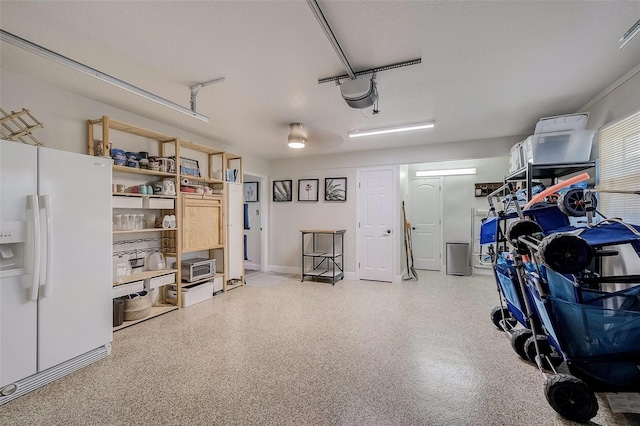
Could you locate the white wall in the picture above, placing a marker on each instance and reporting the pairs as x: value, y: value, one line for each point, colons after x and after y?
x: 619, y: 100
x: 288, y: 218
x: 64, y: 115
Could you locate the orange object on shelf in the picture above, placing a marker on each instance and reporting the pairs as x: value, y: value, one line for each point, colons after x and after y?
x: 556, y: 188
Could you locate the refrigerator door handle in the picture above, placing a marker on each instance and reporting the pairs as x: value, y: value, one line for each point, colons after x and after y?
x: 35, y: 208
x: 48, y: 258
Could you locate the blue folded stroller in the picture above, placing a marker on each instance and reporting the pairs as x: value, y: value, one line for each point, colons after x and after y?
x: 585, y: 290
x: 500, y: 233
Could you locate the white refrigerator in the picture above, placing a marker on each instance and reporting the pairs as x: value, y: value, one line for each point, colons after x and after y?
x: 55, y: 265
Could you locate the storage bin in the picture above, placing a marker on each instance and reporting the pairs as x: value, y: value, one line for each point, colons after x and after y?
x: 195, y: 294
x: 162, y: 280
x: 137, y: 306
x: 562, y: 123
x: 159, y: 203
x: 521, y: 154
x: 130, y: 288
x: 118, y: 312
x: 562, y: 147
x: 118, y: 202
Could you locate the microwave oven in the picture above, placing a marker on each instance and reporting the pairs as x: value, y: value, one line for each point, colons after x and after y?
x: 198, y: 269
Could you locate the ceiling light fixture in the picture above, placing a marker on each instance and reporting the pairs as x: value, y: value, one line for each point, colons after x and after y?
x: 446, y: 172
x: 630, y: 34
x: 297, y: 137
x: 63, y: 60
x: 405, y: 128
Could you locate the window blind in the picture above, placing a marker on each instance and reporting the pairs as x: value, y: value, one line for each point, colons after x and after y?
x: 620, y: 168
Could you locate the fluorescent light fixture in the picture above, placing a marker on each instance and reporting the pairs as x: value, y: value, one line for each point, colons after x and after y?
x: 63, y: 60
x: 630, y: 34
x: 446, y: 172
x: 405, y: 128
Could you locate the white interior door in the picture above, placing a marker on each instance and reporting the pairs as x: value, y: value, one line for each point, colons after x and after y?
x: 376, y: 201
x: 426, y: 223
x: 18, y: 306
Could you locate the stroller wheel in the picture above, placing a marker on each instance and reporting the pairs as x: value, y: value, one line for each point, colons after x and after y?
x: 498, y: 313
x: 518, y: 339
x: 572, y: 203
x: 570, y: 397
x: 521, y: 228
x: 545, y: 349
x: 565, y: 253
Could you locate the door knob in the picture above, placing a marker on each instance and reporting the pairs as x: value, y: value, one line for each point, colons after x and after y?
x: 388, y: 231
x: 414, y: 228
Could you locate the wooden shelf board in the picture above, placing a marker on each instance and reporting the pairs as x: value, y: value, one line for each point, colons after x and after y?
x: 155, y: 311
x: 323, y: 231
x: 135, y: 130
x: 200, y: 179
x: 125, y: 169
x: 130, y: 194
x: 204, y: 280
x: 203, y: 249
x: 205, y: 196
x: 197, y: 147
x: 144, y: 275
x: 135, y: 231
x: 232, y: 286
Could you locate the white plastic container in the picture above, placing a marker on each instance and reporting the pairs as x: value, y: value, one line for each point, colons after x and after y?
x: 195, y: 294
x: 159, y: 203
x: 162, y: 280
x: 562, y: 123
x: 562, y: 147
x: 126, y: 202
x: 129, y: 288
x: 521, y: 154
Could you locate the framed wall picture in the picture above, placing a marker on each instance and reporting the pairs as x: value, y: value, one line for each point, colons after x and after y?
x: 251, y: 192
x: 335, y: 189
x: 282, y: 190
x: 308, y: 189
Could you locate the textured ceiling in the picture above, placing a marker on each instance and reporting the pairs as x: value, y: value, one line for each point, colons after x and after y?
x: 489, y: 69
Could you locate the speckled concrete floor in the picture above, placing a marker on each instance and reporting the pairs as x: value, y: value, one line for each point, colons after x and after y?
x: 357, y: 353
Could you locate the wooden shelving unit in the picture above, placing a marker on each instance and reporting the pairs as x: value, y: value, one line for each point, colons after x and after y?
x: 201, y: 219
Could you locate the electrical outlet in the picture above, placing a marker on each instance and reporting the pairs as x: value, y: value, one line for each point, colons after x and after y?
x: 257, y: 212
